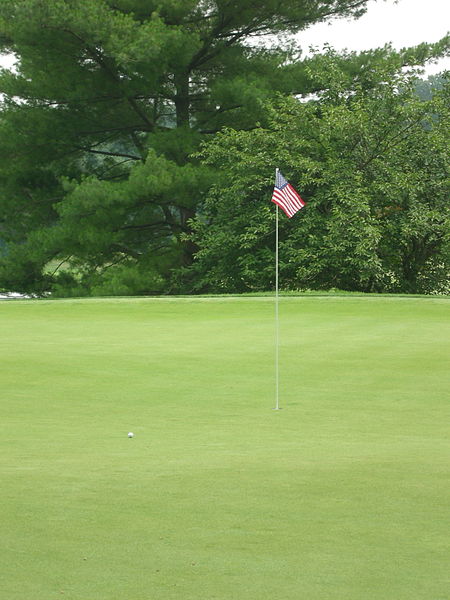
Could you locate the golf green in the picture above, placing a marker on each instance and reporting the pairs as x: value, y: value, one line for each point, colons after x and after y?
x: 342, y: 495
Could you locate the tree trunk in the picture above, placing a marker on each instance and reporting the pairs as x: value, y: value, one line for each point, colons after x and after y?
x: 182, y: 109
x: 182, y: 99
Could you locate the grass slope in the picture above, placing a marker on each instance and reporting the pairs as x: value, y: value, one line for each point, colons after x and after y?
x: 341, y: 495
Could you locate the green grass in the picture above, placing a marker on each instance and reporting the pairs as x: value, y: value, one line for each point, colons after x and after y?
x: 342, y: 495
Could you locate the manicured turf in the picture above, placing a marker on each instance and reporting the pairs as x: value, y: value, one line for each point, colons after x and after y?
x: 342, y: 495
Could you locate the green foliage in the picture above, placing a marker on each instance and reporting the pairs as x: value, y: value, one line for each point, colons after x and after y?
x: 114, y: 97
x: 110, y: 101
x: 372, y: 163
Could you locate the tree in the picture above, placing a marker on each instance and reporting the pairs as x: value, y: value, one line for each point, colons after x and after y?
x: 371, y: 160
x: 109, y: 100
x: 425, y: 88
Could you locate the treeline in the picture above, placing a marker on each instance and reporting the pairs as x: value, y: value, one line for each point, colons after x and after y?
x: 139, y: 140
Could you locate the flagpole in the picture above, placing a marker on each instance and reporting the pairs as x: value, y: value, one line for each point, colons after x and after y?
x: 277, y: 327
x: 289, y: 200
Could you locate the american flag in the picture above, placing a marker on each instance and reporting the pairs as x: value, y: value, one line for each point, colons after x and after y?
x: 285, y: 196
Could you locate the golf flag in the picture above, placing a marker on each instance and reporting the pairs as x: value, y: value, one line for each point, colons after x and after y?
x: 286, y: 197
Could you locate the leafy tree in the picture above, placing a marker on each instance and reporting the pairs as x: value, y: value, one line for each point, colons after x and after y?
x: 109, y: 100
x: 372, y: 163
x: 425, y: 88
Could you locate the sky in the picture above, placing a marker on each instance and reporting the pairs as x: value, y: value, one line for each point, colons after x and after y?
x: 403, y: 23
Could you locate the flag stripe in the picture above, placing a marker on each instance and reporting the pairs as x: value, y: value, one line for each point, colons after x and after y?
x: 297, y: 201
x: 292, y: 198
x: 284, y: 202
x: 285, y: 207
x: 296, y: 198
x: 289, y: 196
x: 290, y: 208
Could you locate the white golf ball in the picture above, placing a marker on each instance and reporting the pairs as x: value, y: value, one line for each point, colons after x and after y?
x: 131, y: 434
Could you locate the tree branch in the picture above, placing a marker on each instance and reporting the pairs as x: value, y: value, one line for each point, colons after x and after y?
x: 109, y: 153
x: 99, y: 59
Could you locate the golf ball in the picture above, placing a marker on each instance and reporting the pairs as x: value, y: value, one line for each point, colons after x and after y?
x: 131, y: 434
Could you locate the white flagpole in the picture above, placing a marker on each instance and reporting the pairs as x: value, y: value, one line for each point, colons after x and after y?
x: 277, y: 327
